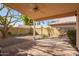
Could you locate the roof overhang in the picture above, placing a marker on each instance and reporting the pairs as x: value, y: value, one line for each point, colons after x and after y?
x: 61, y: 24
x: 46, y: 11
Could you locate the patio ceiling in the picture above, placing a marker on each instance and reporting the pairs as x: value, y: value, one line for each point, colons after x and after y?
x: 46, y: 11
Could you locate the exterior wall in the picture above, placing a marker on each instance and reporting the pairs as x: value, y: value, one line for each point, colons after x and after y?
x: 66, y: 26
x: 42, y: 31
x: 18, y: 31
x: 62, y: 29
x: 48, y: 31
x: 54, y: 32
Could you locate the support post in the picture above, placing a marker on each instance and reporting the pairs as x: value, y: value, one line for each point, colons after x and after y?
x: 34, y: 30
x: 41, y: 30
x: 77, y: 29
x: 50, y: 31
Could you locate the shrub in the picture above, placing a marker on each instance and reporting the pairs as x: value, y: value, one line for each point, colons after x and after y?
x: 72, y: 36
x: 9, y: 33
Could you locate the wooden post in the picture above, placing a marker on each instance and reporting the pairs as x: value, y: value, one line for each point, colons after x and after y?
x: 77, y: 29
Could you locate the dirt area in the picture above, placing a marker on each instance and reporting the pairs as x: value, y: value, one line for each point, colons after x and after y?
x: 27, y: 46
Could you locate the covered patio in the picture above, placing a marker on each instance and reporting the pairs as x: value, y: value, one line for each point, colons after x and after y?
x: 45, y: 11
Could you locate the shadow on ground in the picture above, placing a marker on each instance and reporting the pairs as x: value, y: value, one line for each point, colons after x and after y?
x: 12, y: 46
x: 24, y: 46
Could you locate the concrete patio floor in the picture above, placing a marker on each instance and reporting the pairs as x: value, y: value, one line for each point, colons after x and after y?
x: 26, y: 46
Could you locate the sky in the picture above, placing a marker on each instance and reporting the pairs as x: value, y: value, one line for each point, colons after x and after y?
x: 42, y: 23
x: 4, y: 11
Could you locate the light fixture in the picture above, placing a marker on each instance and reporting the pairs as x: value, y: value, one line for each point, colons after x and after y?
x: 35, y: 8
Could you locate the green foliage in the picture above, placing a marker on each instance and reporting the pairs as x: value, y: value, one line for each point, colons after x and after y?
x: 1, y: 20
x: 26, y: 20
x: 72, y: 36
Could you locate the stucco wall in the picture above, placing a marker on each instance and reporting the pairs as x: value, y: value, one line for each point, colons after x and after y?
x: 47, y: 31
x: 64, y: 28
x: 18, y: 31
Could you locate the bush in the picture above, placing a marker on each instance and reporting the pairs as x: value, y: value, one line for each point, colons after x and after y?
x: 9, y: 33
x: 72, y: 36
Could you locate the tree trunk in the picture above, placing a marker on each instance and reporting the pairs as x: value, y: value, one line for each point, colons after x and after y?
x: 3, y: 34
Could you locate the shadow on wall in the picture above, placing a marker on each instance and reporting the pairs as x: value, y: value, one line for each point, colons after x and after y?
x: 46, y: 31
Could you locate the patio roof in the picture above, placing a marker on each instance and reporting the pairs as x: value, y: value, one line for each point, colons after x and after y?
x: 61, y: 24
x: 46, y: 11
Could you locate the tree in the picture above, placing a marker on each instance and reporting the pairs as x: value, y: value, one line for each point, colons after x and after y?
x: 26, y: 20
x: 7, y: 21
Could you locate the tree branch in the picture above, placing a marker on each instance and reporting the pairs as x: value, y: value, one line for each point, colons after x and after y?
x: 2, y: 8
